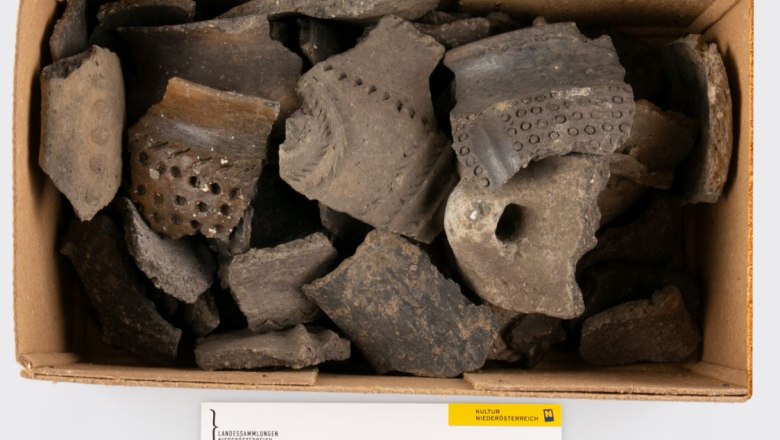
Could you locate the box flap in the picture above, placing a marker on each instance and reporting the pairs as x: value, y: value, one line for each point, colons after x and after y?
x: 170, y: 377
x: 664, y: 380
x: 721, y: 373
x: 38, y: 360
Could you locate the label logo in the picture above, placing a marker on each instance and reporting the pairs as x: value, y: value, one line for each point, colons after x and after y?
x: 214, y: 424
x: 549, y: 415
x: 239, y: 433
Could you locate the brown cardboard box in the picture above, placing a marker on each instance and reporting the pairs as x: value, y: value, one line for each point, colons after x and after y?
x: 53, y: 343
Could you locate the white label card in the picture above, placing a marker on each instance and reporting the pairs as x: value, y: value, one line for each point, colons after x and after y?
x: 380, y: 421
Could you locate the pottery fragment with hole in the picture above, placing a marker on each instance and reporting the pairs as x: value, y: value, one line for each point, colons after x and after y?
x: 82, y: 116
x: 236, y: 55
x: 116, y: 290
x: 338, y: 151
x: 266, y: 283
x: 295, y: 348
x: 195, y: 159
x: 403, y: 314
x: 364, y: 11
x: 699, y: 88
x: 658, y: 329
x: 659, y: 141
x: 181, y: 268
x: 69, y: 36
x: 517, y: 246
x: 202, y: 317
x: 537, y: 92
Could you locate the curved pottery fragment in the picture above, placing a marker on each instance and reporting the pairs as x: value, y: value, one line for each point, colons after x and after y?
x: 145, y: 13
x: 366, y: 142
x: 659, y: 141
x: 360, y: 11
x: 69, y: 36
x: 442, y: 17
x: 533, y: 336
x: 298, y: 347
x: 518, y: 246
x: 658, y: 329
x: 123, y: 13
x: 236, y: 55
x: 181, y: 268
x: 458, y: 32
x: 402, y: 313
x: 533, y: 93
x: 611, y: 284
x: 267, y: 282
x: 653, y: 237
x: 700, y: 89
x: 117, y: 291
x: 82, y: 115
x: 202, y: 317
x: 500, y: 351
x: 195, y: 159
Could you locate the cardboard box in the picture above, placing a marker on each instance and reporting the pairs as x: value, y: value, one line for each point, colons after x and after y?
x: 54, y: 343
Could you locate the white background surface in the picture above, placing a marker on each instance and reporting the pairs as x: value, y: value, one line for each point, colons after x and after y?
x: 41, y: 410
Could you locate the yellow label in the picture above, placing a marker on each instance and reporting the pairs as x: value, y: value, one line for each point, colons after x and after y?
x: 467, y: 414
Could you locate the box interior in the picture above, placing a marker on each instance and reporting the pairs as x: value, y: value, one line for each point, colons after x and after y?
x: 53, y: 343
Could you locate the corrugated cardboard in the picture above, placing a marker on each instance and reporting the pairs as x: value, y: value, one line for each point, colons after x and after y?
x: 53, y: 343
